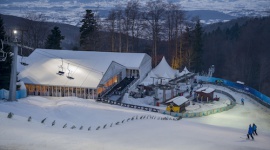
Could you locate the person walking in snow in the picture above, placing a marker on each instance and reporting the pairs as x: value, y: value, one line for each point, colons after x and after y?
x: 254, y: 127
x: 250, y: 131
x: 242, y: 101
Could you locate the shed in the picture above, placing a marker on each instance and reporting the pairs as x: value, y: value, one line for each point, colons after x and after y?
x: 205, y: 93
x: 177, y: 104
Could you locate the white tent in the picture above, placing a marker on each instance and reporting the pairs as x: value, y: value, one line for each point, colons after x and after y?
x: 150, y: 78
x: 162, y: 68
x: 185, y: 71
x: 162, y: 71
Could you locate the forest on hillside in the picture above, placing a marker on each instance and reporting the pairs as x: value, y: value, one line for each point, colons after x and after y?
x: 241, y: 53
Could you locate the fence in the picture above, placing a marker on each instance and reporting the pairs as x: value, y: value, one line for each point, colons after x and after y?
x: 259, y: 97
x: 183, y: 115
x: 127, y: 105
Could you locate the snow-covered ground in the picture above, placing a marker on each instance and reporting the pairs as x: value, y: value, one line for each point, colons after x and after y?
x: 226, y: 130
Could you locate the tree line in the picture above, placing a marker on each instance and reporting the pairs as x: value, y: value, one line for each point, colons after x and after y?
x: 157, y: 28
x: 241, y: 53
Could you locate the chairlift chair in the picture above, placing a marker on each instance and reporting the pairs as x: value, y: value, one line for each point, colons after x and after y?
x: 23, y: 62
x: 61, y: 69
x: 69, y: 73
x: 3, y: 55
x: 70, y: 77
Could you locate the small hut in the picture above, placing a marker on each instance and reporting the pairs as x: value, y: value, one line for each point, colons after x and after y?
x: 205, y: 94
x: 177, y: 104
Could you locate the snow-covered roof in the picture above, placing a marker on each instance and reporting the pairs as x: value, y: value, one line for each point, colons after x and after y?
x: 205, y: 90
x: 161, y: 71
x: 164, y: 70
x: 179, y: 100
x: 185, y: 71
x: 87, y: 67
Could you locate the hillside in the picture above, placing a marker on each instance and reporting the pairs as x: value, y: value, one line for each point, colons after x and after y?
x: 240, y: 52
x: 70, y: 32
x: 226, y: 130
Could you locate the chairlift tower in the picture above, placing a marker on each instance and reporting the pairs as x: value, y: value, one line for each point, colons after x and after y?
x: 13, y: 76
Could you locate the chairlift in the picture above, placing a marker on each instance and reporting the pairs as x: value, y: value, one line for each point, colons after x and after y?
x: 23, y: 62
x: 3, y: 55
x: 61, y: 69
x: 69, y: 73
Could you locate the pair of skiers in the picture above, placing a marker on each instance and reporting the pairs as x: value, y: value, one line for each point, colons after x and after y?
x: 252, y: 130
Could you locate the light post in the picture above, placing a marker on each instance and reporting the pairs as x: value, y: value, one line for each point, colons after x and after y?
x: 13, y: 76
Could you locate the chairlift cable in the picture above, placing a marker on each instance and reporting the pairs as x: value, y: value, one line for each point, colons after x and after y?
x: 74, y: 62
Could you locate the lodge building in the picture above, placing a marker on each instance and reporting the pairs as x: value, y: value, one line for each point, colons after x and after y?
x: 84, y: 74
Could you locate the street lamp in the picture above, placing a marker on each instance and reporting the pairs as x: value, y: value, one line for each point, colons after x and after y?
x: 13, y: 76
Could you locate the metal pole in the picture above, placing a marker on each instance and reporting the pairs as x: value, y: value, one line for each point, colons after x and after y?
x: 13, y: 76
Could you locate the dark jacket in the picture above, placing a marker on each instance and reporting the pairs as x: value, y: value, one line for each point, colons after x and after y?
x: 254, y: 127
x: 250, y: 130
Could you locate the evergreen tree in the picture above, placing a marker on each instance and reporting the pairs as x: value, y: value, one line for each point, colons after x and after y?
x: 54, y: 39
x: 2, y: 29
x: 89, y: 31
x: 197, y: 46
x: 5, y: 66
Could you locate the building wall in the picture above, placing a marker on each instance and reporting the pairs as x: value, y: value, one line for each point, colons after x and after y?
x: 58, y: 91
x: 145, y: 67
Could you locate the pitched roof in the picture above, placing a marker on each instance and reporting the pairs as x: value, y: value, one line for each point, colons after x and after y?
x: 205, y: 90
x: 162, y: 68
x: 179, y: 100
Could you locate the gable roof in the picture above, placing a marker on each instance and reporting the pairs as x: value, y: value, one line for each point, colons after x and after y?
x: 205, y: 90
x: 179, y: 100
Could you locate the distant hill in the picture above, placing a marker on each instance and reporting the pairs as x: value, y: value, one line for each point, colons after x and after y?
x: 209, y: 15
x: 70, y: 32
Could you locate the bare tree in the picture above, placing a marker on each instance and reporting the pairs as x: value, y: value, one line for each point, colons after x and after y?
x: 174, y: 20
x: 189, y: 58
x: 119, y: 18
x: 37, y: 30
x: 154, y: 18
x: 111, y: 27
x: 131, y: 16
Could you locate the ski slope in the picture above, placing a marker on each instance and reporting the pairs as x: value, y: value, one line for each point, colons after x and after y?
x: 223, y: 131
